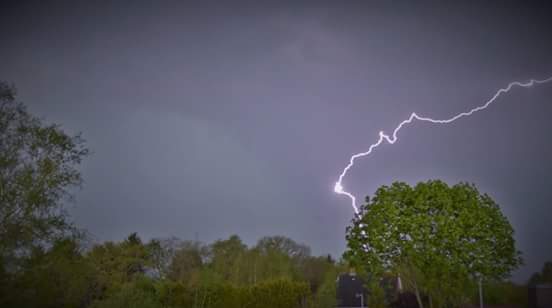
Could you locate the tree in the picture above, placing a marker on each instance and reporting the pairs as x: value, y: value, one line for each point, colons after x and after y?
x: 437, y: 238
x: 162, y: 252
x: 325, y: 295
x: 38, y: 167
x: 545, y: 275
x: 281, y: 257
x: 504, y: 293
x: 140, y: 293
x: 314, y: 270
x: 58, y: 277
x: 187, y: 262
x: 226, y: 258
x: 117, y: 264
x: 284, y: 245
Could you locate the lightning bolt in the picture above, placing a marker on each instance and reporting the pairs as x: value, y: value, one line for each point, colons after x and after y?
x: 391, y: 139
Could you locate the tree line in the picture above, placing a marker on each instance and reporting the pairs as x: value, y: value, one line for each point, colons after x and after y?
x: 276, y: 272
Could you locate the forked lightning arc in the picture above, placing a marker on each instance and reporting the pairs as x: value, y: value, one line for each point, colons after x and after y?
x: 391, y: 139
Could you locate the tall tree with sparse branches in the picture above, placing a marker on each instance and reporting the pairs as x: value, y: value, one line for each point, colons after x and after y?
x: 38, y: 167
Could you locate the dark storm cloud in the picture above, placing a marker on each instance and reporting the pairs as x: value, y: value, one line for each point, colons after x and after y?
x: 221, y: 119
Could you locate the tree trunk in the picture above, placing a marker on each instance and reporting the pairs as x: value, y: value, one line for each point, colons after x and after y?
x: 418, y: 297
x: 255, y: 272
x: 430, y: 302
x: 480, y: 293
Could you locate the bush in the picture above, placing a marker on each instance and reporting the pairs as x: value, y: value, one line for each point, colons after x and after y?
x: 138, y: 294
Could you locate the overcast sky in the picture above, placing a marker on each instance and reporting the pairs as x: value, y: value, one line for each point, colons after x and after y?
x: 221, y: 119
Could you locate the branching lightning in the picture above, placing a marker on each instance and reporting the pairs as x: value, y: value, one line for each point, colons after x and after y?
x: 391, y: 139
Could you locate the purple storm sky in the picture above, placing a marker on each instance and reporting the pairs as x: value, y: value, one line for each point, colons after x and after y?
x: 238, y: 118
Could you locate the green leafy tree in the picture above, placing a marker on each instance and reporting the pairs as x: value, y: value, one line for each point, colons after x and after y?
x: 226, y: 257
x: 502, y: 293
x: 141, y: 293
x: 175, y: 294
x: 162, y: 252
x: 437, y: 238
x: 58, y: 277
x: 280, y: 293
x: 283, y: 245
x: 117, y: 264
x: 280, y: 257
x: 38, y: 167
x: 315, y: 270
x: 325, y: 295
x: 187, y: 263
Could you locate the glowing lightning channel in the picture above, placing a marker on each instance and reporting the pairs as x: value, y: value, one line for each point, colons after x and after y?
x: 338, y: 188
